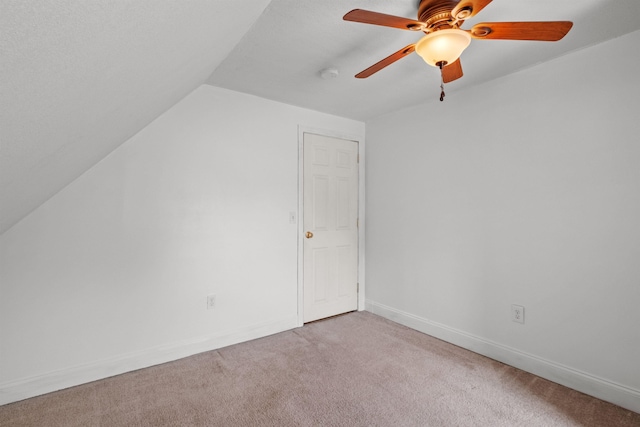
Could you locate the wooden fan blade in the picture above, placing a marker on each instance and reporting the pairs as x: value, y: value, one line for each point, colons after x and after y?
x: 386, y: 61
x: 469, y: 8
x: 550, y: 31
x: 452, y: 72
x: 375, y: 18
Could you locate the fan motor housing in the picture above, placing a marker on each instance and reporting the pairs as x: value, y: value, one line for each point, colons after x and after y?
x: 436, y: 13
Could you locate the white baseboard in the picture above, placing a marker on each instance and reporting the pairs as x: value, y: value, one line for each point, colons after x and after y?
x: 25, y: 388
x: 609, y: 391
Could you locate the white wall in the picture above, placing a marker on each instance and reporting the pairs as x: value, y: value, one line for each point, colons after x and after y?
x: 525, y: 190
x: 112, y: 273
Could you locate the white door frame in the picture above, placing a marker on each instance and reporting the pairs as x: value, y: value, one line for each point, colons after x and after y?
x: 360, y: 140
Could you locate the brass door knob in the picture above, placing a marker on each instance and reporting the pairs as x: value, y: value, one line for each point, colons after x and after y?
x: 309, y: 234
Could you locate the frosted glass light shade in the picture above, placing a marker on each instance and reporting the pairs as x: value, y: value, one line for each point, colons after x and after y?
x: 443, y: 45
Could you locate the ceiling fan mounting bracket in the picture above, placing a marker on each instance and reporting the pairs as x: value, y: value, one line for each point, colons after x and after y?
x: 416, y: 27
x: 463, y: 13
x: 480, y: 31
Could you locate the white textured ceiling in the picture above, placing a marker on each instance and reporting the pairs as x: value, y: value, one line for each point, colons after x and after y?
x: 280, y: 57
x: 79, y: 77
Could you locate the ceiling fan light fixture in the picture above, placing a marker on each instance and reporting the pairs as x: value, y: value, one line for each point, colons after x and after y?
x: 443, y: 46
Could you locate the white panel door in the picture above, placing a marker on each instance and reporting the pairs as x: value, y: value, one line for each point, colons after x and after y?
x: 330, y: 225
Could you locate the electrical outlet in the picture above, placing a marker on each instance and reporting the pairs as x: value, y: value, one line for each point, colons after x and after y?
x: 211, y: 302
x: 517, y: 313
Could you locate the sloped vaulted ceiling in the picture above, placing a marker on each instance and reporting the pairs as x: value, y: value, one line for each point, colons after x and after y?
x: 78, y: 78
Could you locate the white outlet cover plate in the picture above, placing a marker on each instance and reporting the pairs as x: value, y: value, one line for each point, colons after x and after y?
x: 517, y: 313
x: 211, y: 302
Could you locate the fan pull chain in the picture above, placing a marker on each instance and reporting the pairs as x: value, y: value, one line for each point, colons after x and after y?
x: 440, y: 64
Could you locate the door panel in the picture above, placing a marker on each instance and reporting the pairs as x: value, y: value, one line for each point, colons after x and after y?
x: 330, y: 191
x: 320, y: 205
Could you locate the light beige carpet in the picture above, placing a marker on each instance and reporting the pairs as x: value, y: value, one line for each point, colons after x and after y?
x: 352, y: 370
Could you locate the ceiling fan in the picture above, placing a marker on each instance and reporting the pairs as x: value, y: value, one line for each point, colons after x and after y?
x: 445, y: 41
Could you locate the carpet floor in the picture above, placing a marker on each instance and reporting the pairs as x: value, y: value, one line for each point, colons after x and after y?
x: 356, y: 369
